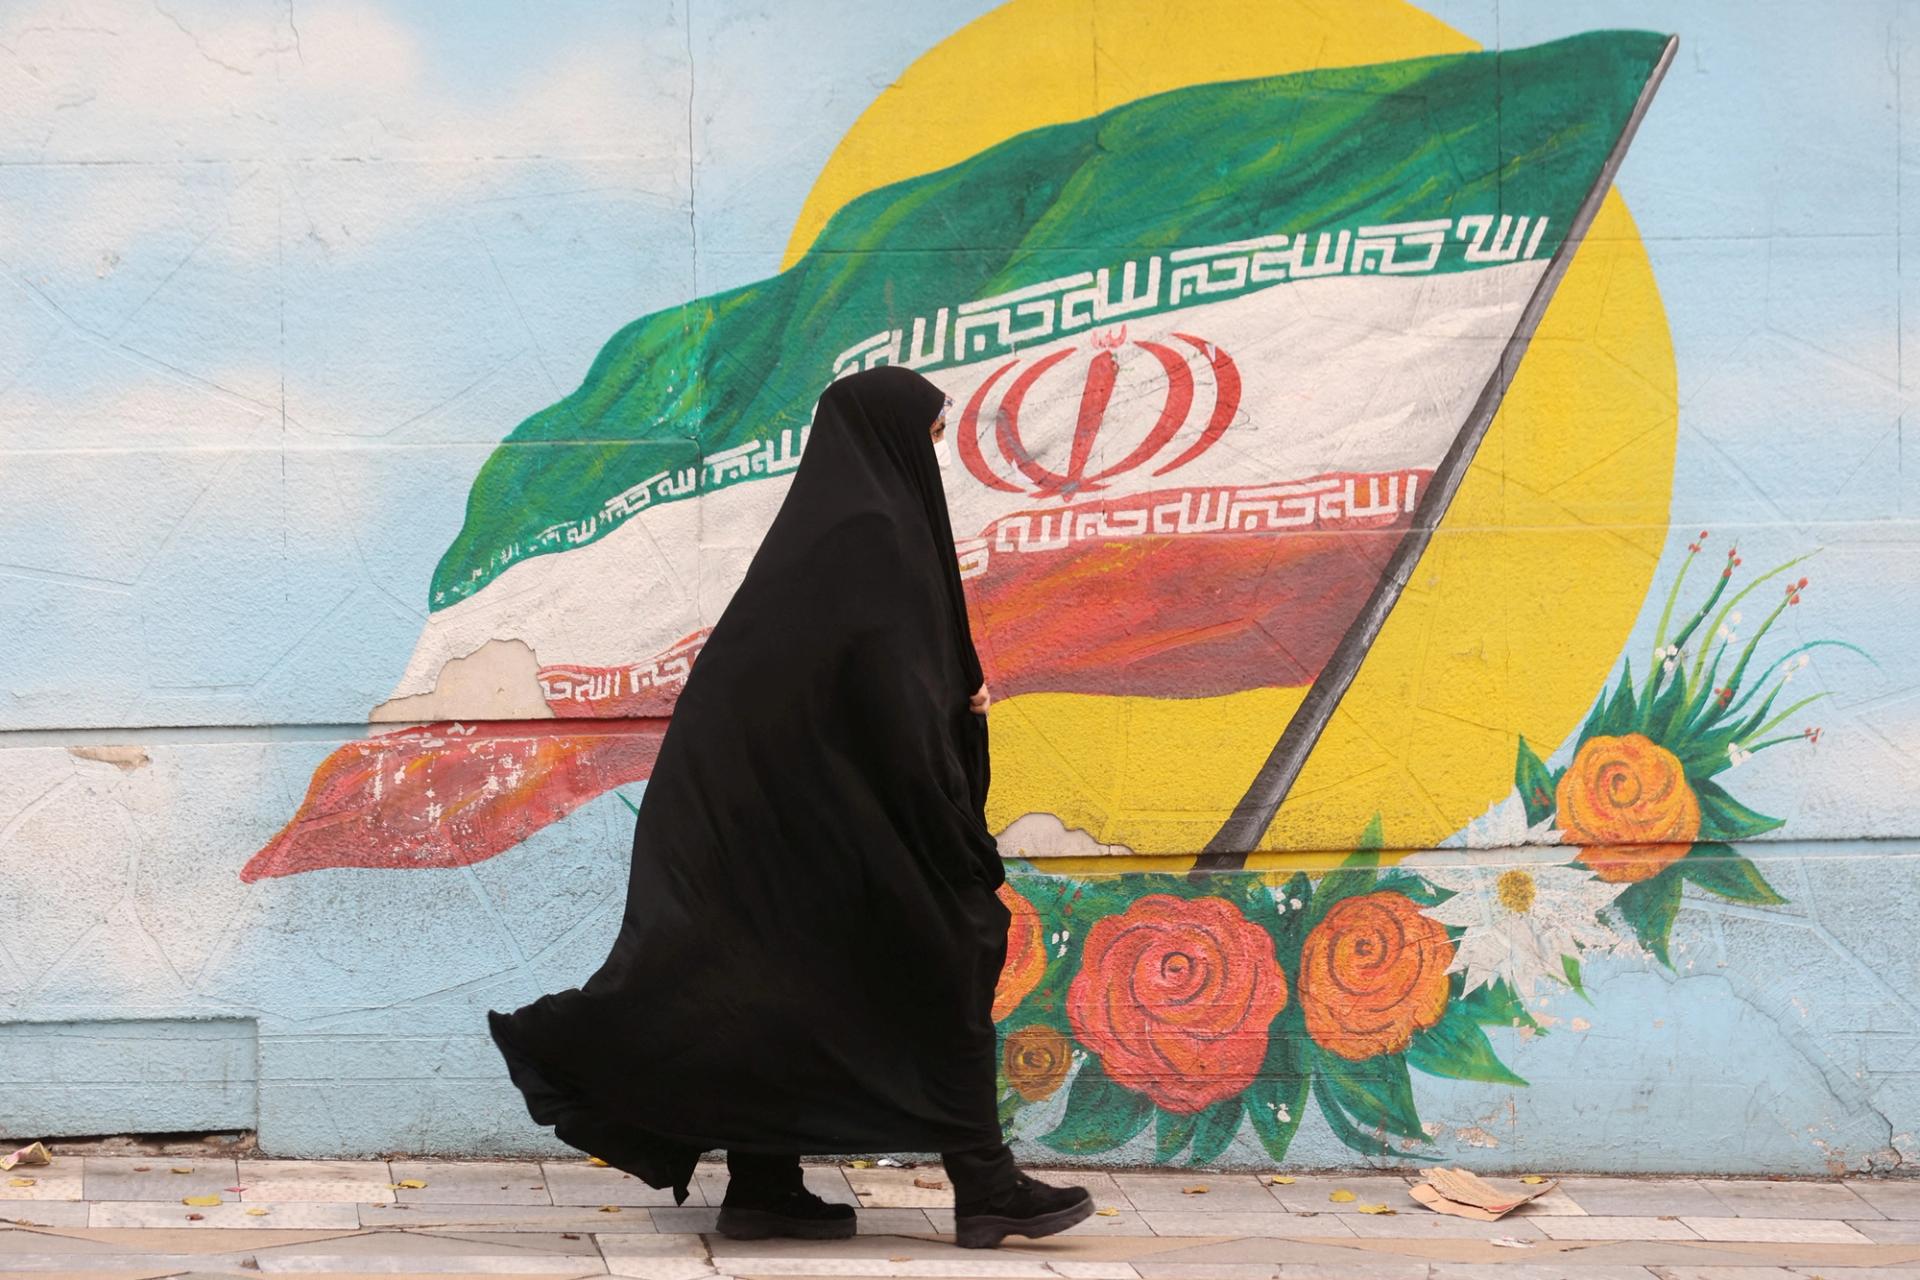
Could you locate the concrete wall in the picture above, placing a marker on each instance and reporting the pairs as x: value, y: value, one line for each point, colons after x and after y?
x: 323, y: 710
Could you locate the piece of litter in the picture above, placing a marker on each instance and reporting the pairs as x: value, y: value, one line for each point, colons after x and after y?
x: 200, y: 1200
x: 22, y: 1182
x: 568, y: 1235
x: 859, y: 1164
x: 609, y: 1208
x: 888, y: 1162
x: 1533, y: 1179
x: 1343, y: 1196
x: 1198, y: 1189
x: 181, y: 1168
x: 1378, y: 1208
x: 1508, y: 1242
x: 258, y: 1213
x: 1108, y: 1213
x: 196, y: 1217
x: 143, y: 1168
x: 596, y: 1162
x: 32, y: 1153
x: 236, y: 1190
x: 1466, y: 1195
x: 411, y: 1184
x: 929, y: 1184
x: 1281, y: 1180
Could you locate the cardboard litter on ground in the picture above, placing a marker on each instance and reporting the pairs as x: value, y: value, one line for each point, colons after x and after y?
x: 32, y: 1153
x: 1467, y: 1195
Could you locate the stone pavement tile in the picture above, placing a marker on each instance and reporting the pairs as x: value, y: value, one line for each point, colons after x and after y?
x: 1900, y: 1231
x: 505, y: 1217
x: 1095, y: 1270
x: 1775, y: 1230
x: 232, y: 1214
x: 1727, y: 1273
x: 1759, y: 1199
x: 126, y: 1266
x: 1248, y: 1250
x: 577, y: 1182
x: 1315, y: 1195
x: 896, y: 1189
x: 45, y: 1213
x: 315, y: 1181
x: 407, y: 1253
x: 1594, y: 1227
x: 661, y: 1257
x: 1569, y: 1270
x: 471, y: 1182
x: 59, y: 1181
x: 1555, y: 1204
x: 1225, y: 1192
x: 981, y: 1264
x: 119, y: 1177
x: 14, y: 1243
x: 1429, y: 1225
x: 1892, y: 1198
x: 188, y: 1238
x: 1123, y: 1223
x: 1641, y: 1197
x: 1270, y: 1224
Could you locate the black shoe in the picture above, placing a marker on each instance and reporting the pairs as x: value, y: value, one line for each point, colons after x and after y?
x: 1028, y: 1208
x: 795, y: 1213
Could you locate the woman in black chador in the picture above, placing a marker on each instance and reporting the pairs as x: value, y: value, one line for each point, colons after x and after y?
x: 812, y: 937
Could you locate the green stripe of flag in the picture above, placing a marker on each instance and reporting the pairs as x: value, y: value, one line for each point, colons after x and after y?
x: 1521, y: 132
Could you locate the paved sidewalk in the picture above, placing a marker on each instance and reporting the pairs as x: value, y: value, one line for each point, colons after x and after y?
x: 125, y: 1216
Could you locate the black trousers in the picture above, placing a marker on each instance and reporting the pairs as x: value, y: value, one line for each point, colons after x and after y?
x: 977, y: 1176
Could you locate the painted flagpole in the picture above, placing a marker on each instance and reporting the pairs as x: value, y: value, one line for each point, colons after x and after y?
x: 1241, y: 833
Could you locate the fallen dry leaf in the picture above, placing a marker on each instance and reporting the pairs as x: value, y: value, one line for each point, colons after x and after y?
x: 596, y: 1162
x: 143, y: 1168
x: 200, y: 1200
x: 1108, y: 1213
x: 1198, y: 1189
x: 181, y: 1168
x: 859, y: 1164
x: 568, y: 1235
x: 930, y: 1184
x: 1281, y: 1180
x: 1343, y: 1196
x: 21, y: 1182
x: 900, y: 1257
x: 609, y: 1208
x: 258, y: 1213
x: 1533, y: 1179
x: 1378, y: 1208
x: 411, y: 1184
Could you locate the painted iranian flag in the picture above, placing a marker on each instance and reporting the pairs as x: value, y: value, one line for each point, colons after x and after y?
x: 1219, y: 358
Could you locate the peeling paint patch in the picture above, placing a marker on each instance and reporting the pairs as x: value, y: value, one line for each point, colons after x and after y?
x: 1041, y: 835
x: 498, y: 681
x: 125, y: 759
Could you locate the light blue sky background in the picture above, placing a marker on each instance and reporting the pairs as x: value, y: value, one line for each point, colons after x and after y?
x: 272, y: 291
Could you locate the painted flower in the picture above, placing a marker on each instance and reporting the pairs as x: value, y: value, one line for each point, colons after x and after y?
x: 1026, y: 954
x: 1035, y: 1060
x: 1627, y: 802
x: 1520, y: 911
x: 1176, y: 997
x: 1372, y: 973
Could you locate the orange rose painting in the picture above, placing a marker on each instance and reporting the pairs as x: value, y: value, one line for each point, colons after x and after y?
x: 1175, y: 998
x: 1026, y: 954
x: 1035, y: 1060
x: 1372, y: 973
x: 1627, y: 803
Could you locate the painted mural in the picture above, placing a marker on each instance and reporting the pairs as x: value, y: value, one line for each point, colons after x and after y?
x: 1429, y: 488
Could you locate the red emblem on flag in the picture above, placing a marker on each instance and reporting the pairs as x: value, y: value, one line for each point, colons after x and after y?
x: 1008, y: 461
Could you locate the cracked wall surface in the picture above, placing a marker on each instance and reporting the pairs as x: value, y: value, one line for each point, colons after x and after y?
x: 324, y: 703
